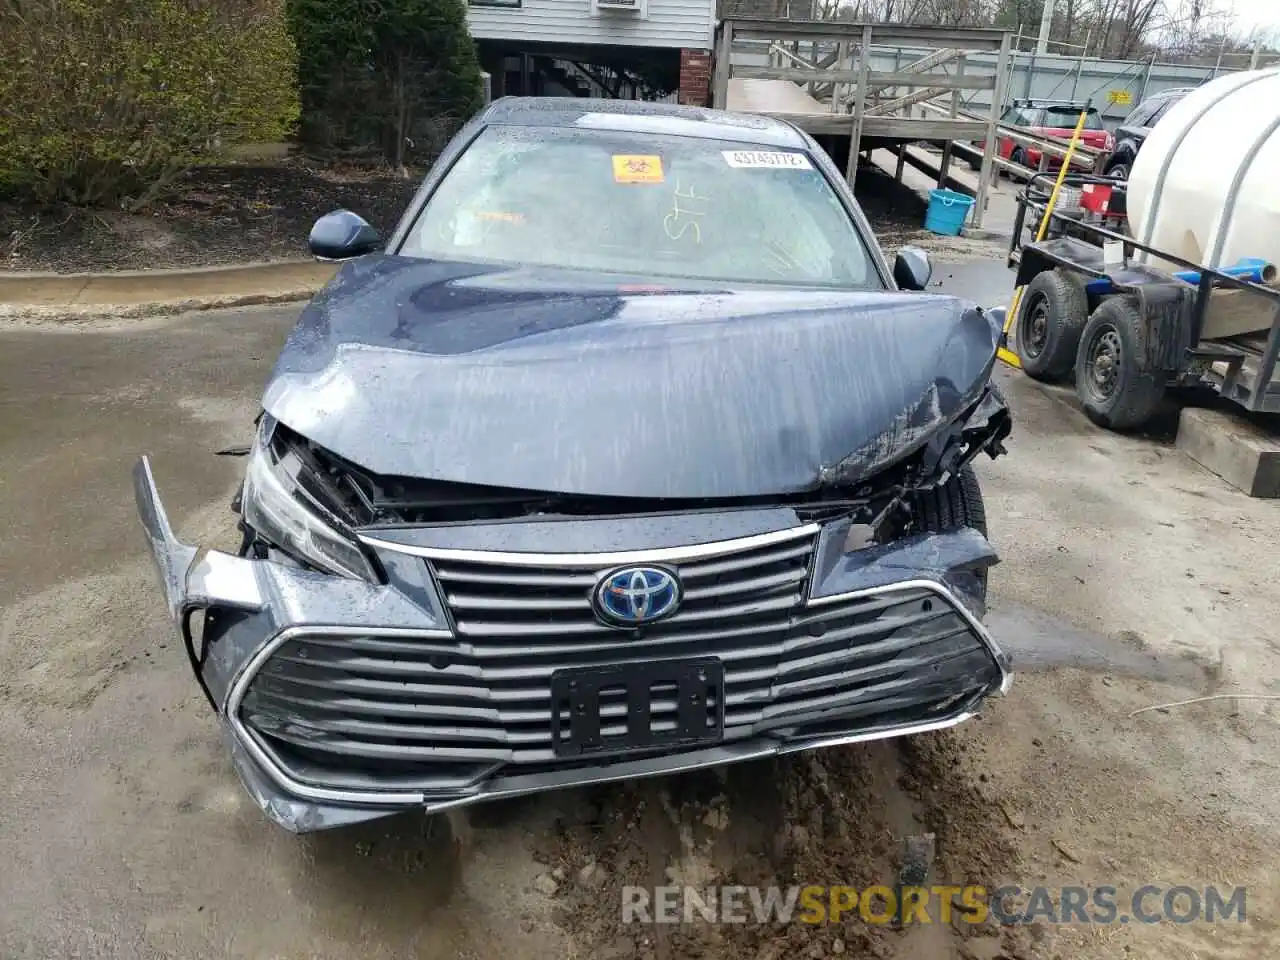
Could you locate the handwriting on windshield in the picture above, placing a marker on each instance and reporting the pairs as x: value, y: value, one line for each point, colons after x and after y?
x: 686, y: 209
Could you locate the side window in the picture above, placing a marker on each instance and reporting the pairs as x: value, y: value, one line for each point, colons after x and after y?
x: 1142, y: 116
x: 1162, y: 110
x: 1021, y: 116
x: 1032, y: 117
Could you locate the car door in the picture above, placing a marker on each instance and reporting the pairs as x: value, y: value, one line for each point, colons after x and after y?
x: 1131, y: 135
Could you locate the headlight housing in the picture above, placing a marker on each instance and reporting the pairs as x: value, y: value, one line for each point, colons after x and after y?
x: 278, y: 508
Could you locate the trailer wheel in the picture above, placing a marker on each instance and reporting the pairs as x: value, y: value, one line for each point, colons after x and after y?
x: 1112, y: 382
x: 1055, y: 308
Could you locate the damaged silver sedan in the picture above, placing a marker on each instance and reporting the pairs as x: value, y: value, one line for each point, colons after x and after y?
x: 626, y: 453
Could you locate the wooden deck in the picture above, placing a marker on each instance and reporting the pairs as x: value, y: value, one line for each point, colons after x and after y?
x: 819, y: 75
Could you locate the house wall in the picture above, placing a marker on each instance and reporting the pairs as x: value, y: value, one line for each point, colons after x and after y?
x: 668, y: 23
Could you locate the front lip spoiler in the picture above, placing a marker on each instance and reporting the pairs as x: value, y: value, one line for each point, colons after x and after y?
x: 192, y: 578
x: 299, y: 814
x: 524, y: 784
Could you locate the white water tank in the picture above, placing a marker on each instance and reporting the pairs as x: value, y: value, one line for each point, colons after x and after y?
x: 1206, y: 183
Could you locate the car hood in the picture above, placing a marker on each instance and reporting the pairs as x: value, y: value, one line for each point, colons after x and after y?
x: 579, y: 383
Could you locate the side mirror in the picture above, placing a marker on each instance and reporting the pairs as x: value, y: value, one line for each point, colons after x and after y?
x: 342, y: 235
x: 912, y: 269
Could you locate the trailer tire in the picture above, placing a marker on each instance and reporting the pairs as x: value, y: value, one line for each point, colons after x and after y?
x: 1053, y: 312
x: 1114, y: 385
x: 952, y: 505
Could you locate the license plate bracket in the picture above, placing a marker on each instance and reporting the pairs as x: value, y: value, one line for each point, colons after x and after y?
x: 637, y: 706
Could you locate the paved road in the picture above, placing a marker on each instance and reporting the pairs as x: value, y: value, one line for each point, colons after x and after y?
x: 124, y: 833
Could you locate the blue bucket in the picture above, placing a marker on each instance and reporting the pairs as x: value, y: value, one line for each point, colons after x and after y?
x: 947, y: 212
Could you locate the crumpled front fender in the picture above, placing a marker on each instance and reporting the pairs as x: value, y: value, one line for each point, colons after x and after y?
x: 247, y: 602
x: 241, y: 606
x: 172, y: 558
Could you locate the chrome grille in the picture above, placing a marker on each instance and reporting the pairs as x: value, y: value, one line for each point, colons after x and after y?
x: 440, y: 713
x: 501, y: 607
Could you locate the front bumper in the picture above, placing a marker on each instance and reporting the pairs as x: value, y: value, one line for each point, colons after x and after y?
x: 343, y: 701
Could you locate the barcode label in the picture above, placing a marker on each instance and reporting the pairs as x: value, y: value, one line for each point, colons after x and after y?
x: 747, y: 159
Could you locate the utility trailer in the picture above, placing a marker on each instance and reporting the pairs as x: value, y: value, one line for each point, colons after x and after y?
x: 1128, y: 330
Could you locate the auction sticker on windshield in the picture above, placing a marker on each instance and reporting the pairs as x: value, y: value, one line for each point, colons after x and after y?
x: 747, y: 159
x: 629, y: 168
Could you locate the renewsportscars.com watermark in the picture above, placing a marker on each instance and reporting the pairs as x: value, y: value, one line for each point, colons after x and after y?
x: 938, y: 903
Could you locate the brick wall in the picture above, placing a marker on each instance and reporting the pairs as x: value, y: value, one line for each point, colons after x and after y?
x: 695, y: 77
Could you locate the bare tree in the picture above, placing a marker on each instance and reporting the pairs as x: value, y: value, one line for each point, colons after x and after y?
x: 1186, y: 30
x: 1193, y: 27
x: 887, y: 11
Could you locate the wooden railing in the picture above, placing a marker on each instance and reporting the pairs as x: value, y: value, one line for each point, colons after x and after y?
x: 847, y: 95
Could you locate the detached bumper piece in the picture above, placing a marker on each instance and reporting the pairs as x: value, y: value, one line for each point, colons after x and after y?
x: 510, y: 685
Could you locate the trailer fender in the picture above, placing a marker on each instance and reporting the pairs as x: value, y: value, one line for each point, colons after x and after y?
x: 1032, y: 263
x: 1168, y: 317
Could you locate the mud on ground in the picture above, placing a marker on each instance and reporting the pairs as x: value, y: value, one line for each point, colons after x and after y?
x: 235, y: 213
x: 897, y: 215
x: 856, y: 817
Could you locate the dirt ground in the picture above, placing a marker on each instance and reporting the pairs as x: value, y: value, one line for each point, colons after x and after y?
x: 897, y: 213
x: 240, y: 213
x: 1130, y: 578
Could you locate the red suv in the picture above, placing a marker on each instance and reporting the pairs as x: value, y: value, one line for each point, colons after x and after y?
x: 1053, y: 118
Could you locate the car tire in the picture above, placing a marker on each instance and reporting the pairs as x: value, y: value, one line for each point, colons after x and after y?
x: 1053, y: 312
x: 1119, y: 171
x: 1114, y: 387
x: 952, y: 505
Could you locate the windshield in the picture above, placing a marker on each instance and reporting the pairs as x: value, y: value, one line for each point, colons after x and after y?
x: 1068, y: 117
x: 654, y: 206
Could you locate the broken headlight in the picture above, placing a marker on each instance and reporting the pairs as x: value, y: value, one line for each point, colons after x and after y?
x: 277, y: 507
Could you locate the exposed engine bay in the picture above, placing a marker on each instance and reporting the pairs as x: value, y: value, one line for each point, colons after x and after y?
x: 884, y: 507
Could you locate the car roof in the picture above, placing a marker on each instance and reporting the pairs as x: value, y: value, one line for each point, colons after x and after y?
x: 1171, y: 92
x: 639, y: 116
x: 1037, y: 102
